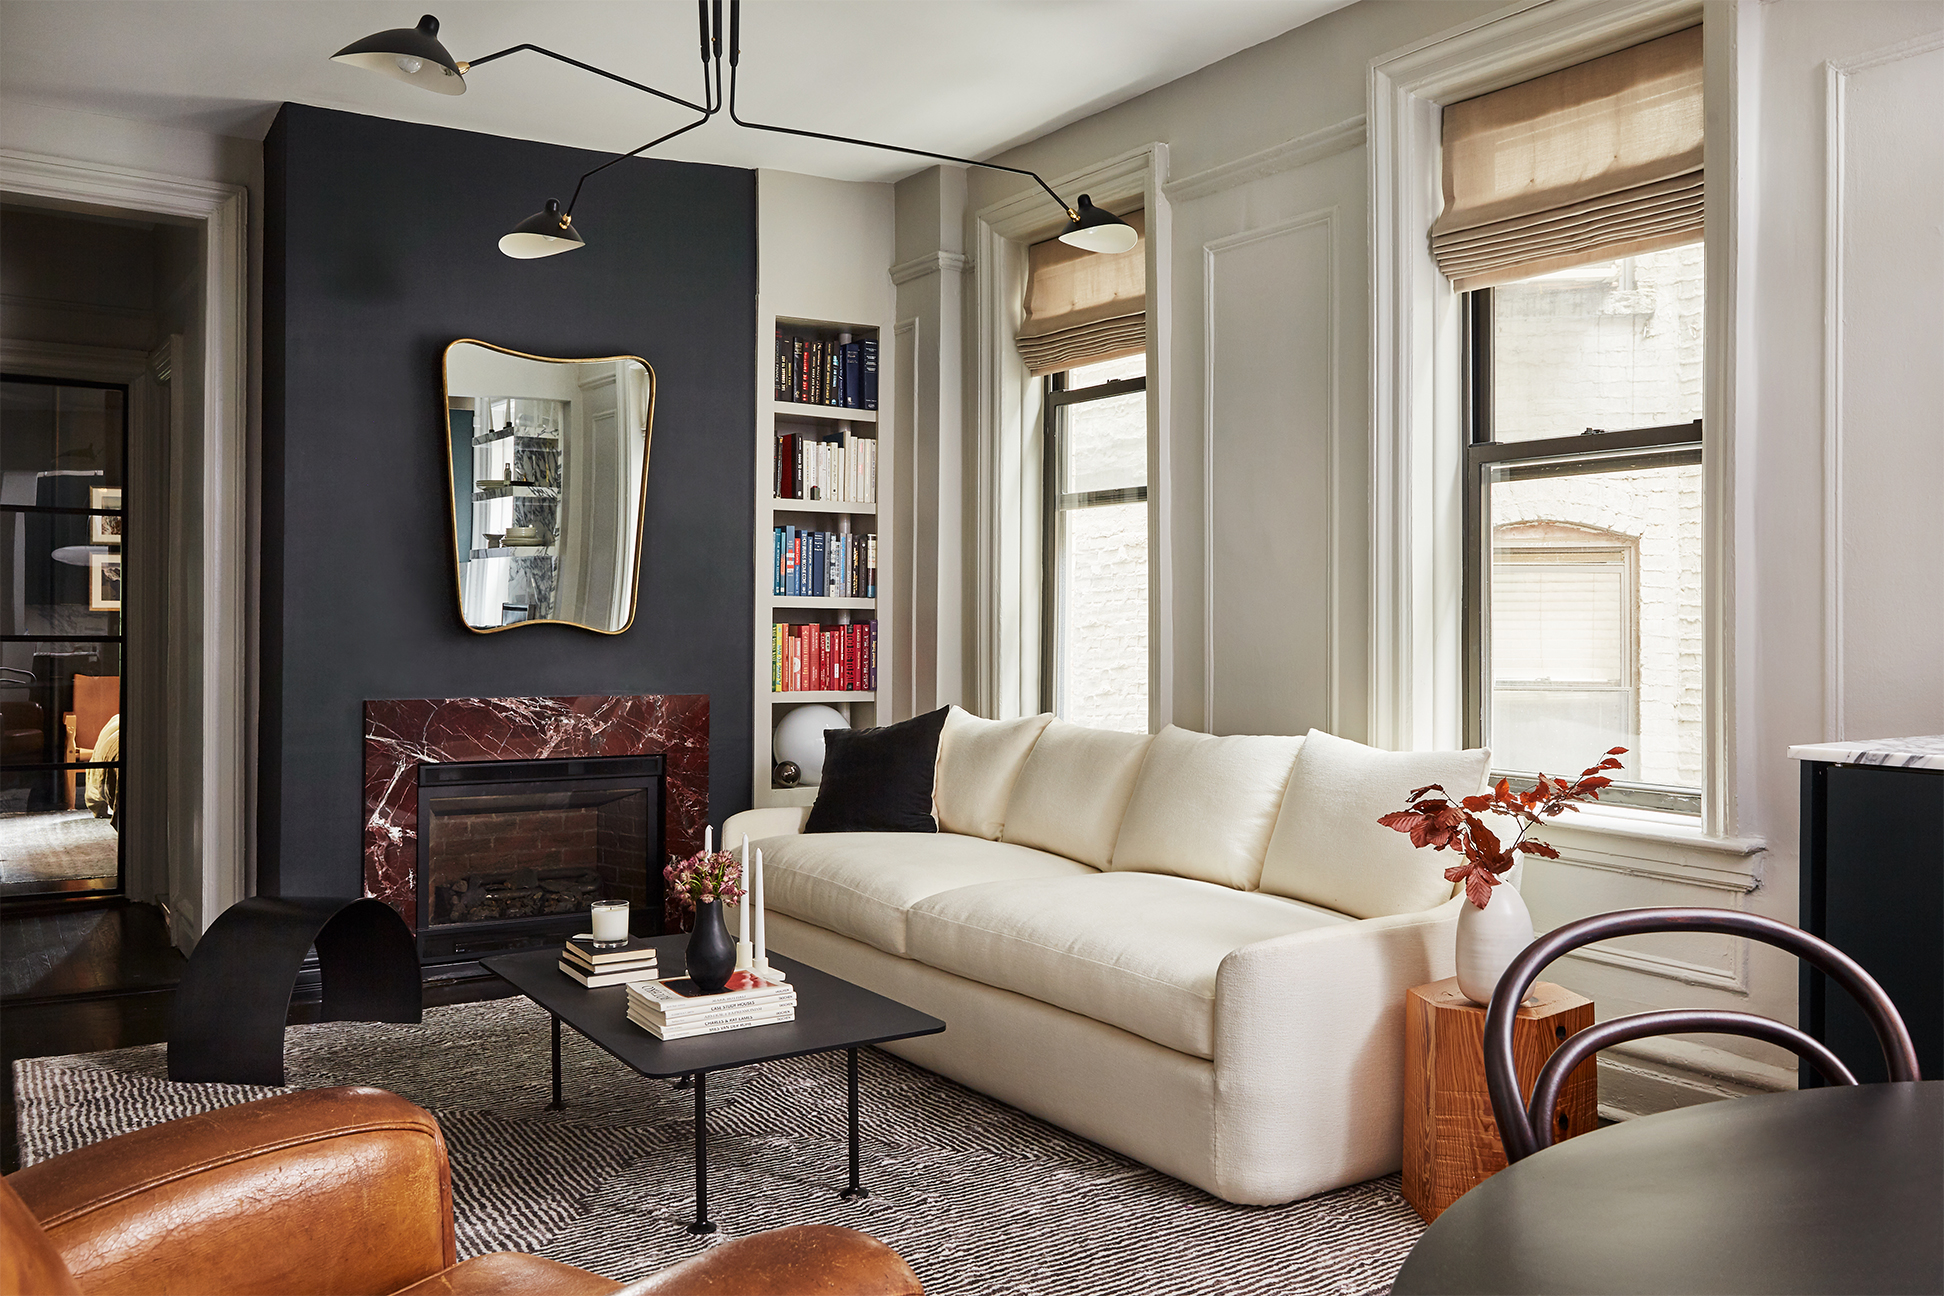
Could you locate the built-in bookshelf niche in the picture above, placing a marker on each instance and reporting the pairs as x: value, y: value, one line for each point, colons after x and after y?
x: 821, y: 533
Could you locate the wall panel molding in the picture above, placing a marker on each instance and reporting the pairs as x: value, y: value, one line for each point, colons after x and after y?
x: 1837, y: 76
x: 1212, y: 252
x: 1277, y: 158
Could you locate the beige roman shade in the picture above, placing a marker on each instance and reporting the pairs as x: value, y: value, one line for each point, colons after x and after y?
x: 1084, y: 307
x: 1593, y: 162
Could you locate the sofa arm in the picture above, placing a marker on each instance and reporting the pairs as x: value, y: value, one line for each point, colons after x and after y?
x: 1309, y: 1051
x: 797, y: 1261
x: 326, y: 1191
x: 768, y: 821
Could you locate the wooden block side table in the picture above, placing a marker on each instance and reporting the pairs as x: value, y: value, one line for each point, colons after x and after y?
x: 1451, y: 1141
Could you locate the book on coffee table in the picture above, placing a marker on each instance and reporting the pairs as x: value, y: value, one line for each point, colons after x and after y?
x: 594, y: 966
x: 677, y: 1007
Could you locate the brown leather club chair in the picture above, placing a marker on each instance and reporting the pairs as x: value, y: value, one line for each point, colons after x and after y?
x: 336, y: 1192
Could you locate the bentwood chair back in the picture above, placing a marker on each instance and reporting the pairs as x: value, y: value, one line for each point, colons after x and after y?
x: 1525, y: 1129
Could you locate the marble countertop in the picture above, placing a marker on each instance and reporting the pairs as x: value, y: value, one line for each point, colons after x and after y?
x: 1911, y: 753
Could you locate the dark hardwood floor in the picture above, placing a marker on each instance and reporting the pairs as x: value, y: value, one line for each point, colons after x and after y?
x: 80, y: 978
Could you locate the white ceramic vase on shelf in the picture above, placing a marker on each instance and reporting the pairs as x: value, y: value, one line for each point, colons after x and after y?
x: 1489, y: 939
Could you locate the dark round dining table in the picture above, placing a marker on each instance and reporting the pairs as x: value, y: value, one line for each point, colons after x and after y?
x: 1821, y: 1190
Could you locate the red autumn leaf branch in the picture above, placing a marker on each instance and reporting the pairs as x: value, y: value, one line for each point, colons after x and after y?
x: 1436, y: 822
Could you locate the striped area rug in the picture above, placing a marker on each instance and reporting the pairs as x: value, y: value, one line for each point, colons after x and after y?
x: 979, y: 1198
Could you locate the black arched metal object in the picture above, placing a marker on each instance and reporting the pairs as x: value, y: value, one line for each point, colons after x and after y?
x: 227, y: 1022
x: 1525, y: 1130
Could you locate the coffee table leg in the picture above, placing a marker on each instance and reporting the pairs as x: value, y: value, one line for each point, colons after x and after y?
x: 556, y: 1104
x: 854, y: 1190
x: 701, y: 1224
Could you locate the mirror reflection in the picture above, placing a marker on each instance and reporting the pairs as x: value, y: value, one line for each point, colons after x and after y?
x: 549, y: 467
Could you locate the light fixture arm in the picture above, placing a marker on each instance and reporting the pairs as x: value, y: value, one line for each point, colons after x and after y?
x: 469, y: 65
x: 712, y: 95
x: 735, y: 56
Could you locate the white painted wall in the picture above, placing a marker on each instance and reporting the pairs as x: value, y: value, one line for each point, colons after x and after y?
x: 1833, y: 614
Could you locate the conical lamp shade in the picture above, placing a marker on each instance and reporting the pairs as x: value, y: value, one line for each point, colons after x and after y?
x: 410, y: 54
x: 543, y: 234
x: 1099, y: 230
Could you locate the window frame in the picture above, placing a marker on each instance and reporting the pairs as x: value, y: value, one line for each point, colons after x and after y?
x: 1055, y: 398
x: 1584, y: 453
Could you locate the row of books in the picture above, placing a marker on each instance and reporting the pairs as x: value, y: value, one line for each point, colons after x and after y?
x: 823, y: 658
x: 678, y: 1009
x: 814, y: 371
x: 840, y: 467
x: 824, y: 564
x: 594, y: 966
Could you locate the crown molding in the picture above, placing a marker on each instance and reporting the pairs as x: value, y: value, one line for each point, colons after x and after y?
x: 1287, y: 156
x: 930, y: 263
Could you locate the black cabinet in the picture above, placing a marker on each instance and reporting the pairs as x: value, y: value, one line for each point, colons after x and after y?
x: 1873, y: 886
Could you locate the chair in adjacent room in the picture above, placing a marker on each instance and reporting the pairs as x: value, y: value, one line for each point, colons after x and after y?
x: 1528, y: 1128
x: 97, y: 700
x: 336, y: 1192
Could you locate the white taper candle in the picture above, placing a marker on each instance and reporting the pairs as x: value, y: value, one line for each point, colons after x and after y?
x: 742, y: 909
x: 762, y: 949
x: 708, y: 840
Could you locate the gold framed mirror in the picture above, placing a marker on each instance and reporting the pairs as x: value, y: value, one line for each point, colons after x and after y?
x: 548, y: 475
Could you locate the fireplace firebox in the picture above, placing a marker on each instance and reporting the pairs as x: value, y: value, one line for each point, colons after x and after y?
x: 512, y: 853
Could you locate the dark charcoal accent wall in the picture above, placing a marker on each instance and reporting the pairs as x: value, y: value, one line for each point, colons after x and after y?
x: 380, y: 249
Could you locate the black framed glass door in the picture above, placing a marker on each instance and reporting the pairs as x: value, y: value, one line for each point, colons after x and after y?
x: 63, y: 459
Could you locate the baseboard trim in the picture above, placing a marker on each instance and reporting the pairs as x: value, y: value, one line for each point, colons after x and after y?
x: 1649, y: 1076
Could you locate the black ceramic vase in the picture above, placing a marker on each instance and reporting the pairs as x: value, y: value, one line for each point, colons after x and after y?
x: 711, y: 954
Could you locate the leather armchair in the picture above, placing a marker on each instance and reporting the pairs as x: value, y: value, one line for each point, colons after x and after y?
x: 336, y: 1192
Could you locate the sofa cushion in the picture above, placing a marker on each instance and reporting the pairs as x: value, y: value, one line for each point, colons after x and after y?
x: 1135, y: 950
x: 1203, y: 807
x: 978, y: 764
x: 860, y: 884
x: 1328, y: 847
x: 1073, y: 791
x: 879, y: 780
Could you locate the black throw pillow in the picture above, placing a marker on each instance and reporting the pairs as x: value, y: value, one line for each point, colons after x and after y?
x: 879, y: 780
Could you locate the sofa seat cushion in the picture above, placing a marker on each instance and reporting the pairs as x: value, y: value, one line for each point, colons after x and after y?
x: 861, y: 884
x: 1135, y: 950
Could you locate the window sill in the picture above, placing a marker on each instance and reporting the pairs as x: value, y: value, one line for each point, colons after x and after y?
x: 1682, y: 831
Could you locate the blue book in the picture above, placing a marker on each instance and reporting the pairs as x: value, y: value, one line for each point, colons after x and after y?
x: 853, y: 376
x: 867, y: 374
x: 816, y: 563
x: 776, y: 577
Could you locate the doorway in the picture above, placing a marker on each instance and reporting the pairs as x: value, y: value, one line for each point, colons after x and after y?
x: 63, y: 476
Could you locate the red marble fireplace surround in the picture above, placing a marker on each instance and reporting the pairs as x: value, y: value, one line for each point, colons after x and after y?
x: 399, y: 735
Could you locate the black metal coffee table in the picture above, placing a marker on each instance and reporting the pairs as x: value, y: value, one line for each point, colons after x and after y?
x: 831, y: 1014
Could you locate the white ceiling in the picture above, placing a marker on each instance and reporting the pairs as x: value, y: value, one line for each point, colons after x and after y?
x: 968, y: 77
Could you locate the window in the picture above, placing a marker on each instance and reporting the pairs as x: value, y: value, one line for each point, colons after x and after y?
x: 1584, y: 523
x: 1094, y: 644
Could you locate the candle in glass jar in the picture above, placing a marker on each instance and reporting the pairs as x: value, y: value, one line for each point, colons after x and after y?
x: 610, y: 920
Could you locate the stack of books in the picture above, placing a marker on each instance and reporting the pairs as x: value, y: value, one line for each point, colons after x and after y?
x: 821, y: 658
x: 824, y: 564
x: 677, y: 1008
x: 614, y: 965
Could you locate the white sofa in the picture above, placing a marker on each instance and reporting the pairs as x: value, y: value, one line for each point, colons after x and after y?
x: 1191, y: 949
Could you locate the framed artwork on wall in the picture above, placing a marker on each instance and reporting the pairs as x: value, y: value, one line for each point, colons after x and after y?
x: 102, y: 529
x: 104, y: 582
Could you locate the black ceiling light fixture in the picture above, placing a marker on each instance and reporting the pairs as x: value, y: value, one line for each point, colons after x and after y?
x: 414, y: 55
x: 409, y: 54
